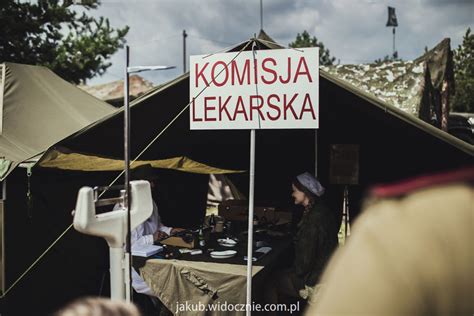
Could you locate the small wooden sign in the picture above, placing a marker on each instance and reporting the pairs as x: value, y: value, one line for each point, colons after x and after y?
x: 344, y: 164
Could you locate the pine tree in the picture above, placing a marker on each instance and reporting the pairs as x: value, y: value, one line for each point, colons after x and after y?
x: 305, y: 40
x: 463, y: 100
x: 53, y: 34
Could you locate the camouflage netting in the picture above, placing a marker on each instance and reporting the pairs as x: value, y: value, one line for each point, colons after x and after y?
x: 398, y: 83
x: 412, y: 86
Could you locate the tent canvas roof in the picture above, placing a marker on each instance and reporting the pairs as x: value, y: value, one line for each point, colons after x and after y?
x: 163, y: 112
x: 393, y: 144
x: 37, y: 110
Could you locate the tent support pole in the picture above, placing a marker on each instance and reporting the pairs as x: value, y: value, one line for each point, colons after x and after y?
x: 250, y: 227
x: 184, y: 50
x: 394, y: 50
x: 316, y: 153
x: 345, y: 213
x: 126, y: 147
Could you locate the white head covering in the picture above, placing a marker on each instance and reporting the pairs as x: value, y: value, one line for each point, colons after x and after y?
x: 311, y: 183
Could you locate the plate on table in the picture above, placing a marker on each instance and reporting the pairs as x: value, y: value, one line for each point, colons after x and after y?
x: 226, y: 242
x: 223, y: 254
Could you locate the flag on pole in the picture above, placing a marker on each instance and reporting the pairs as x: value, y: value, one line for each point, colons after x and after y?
x: 392, y: 18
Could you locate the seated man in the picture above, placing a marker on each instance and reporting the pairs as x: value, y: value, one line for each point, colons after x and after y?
x: 150, y: 231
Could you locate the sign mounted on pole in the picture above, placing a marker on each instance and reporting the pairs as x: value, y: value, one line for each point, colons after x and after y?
x: 273, y: 89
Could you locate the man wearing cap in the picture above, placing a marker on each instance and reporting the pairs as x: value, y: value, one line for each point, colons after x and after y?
x: 315, y: 241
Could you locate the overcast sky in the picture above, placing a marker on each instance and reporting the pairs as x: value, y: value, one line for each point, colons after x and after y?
x: 353, y: 30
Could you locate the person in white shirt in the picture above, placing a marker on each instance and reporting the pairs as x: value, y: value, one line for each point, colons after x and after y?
x: 147, y: 233
x: 150, y: 231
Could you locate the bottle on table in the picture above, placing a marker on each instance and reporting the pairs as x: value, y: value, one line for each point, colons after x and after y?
x: 255, y: 220
x: 212, y: 222
x: 201, y: 239
x: 228, y: 228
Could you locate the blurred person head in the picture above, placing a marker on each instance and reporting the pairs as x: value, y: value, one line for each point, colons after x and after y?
x: 98, y: 306
x: 409, y: 253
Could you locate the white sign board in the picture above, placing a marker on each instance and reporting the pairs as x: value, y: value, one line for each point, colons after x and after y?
x: 276, y: 89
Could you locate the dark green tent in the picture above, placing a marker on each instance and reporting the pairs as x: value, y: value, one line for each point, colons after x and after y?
x: 393, y: 144
x: 38, y: 109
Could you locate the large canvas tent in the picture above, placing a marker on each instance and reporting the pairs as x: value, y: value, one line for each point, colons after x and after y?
x: 393, y: 144
x: 37, y: 109
x: 40, y: 109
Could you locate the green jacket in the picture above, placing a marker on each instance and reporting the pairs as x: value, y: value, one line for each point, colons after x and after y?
x: 315, y: 241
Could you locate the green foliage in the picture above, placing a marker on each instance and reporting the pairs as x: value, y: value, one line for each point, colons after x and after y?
x: 463, y: 101
x: 388, y: 58
x: 53, y: 34
x: 305, y: 40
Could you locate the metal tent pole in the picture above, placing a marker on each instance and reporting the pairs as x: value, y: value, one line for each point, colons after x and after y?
x: 126, y: 146
x: 184, y: 50
x: 250, y: 222
x: 316, y: 153
x: 394, y: 51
